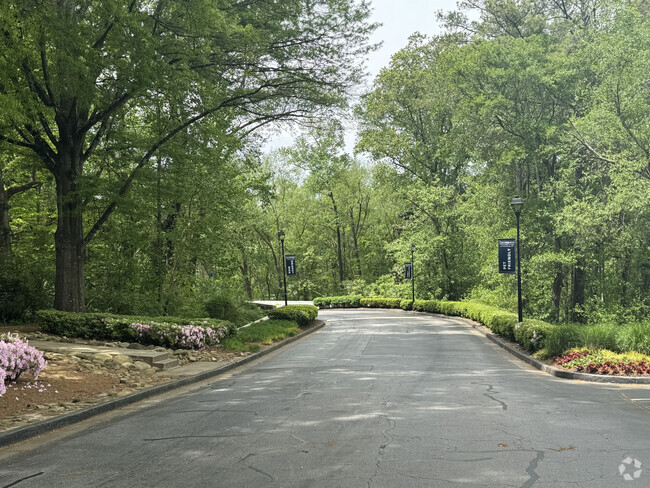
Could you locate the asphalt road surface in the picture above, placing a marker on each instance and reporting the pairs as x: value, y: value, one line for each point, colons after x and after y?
x: 376, y: 399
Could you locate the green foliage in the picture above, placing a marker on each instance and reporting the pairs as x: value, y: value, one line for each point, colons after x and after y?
x: 602, y: 336
x: 406, y: 305
x: 634, y: 337
x: 268, y: 331
x: 533, y: 334
x: 118, y: 327
x: 265, y: 332
x: 347, y: 301
x: 376, y: 302
x: 563, y: 338
x: 221, y: 307
x: 302, y: 314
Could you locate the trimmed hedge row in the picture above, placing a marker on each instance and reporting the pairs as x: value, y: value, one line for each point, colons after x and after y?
x: 158, y: 331
x: 377, y: 302
x: 303, y: 314
x: 531, y: 334
x: 346, y: 301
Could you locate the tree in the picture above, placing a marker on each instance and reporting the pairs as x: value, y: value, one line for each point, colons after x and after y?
x: 76, y: 77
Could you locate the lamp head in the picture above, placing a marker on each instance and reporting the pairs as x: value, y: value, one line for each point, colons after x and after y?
x: 281, y: 235
x: 516, y: 204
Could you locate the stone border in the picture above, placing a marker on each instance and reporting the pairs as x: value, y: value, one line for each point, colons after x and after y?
x: 27, y: 432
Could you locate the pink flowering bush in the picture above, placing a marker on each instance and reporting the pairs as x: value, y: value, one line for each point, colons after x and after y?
x: 195, y: 335
x: 18, y: 357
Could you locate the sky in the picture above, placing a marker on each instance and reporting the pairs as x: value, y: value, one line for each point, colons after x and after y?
x: 399, y: 19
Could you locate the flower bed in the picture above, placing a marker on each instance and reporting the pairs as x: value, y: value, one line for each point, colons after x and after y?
x: 16, y: 358
x: 165, y: 331
x: 604, y: 362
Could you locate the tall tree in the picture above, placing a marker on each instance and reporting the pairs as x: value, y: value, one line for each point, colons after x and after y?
x: 75, y: 75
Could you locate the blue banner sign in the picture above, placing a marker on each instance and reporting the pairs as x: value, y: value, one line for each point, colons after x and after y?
x: 290, y: 265
x: 507, y: 256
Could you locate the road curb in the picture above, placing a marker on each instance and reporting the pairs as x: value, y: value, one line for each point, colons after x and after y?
x: 29, y: 431
x: 559, y: 373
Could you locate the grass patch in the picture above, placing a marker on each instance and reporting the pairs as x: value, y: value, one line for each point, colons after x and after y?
x: 265, y: 332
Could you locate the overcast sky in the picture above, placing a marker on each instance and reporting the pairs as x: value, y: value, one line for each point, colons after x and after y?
x: 399, y: 19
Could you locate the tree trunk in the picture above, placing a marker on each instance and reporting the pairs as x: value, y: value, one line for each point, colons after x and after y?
x: 578, y: 298
x: 5, y: 228
x: 69, y: 238
x: 556, y: 287
x: 339, y: 247
x: 5, y: 222
x: 247, y: 279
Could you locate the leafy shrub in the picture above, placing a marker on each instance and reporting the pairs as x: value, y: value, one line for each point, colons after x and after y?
x: 221, y: 307
x: 376, y: 302
x: 533, y: 334
x: 634, y: 337
x: 562, y: 338
x: 18, y: 357
x: 20, y: 294
x: 161, y: 331
x: 247, y: 313
x: 431, y: 306
x: 302, y: 314
x: 346, y: 301
x: 406, y: 304
x: 599, y: 336
x: 192, y: 336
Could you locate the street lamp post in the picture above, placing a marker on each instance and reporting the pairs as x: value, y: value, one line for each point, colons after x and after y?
x: 413, y: 274
x: 284, y: 266
x: 516, y: 205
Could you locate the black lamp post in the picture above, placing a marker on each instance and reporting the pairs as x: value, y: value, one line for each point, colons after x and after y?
x: 284, y: 266
x: 413, y: 273
x: 516, y: 205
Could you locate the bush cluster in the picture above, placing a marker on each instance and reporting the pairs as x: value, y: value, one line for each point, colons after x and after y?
x: 164, y: 331
x: 617, y: 338
x: 18, y: 357
x: 377, y: 302
x: 302, y: 314
x: 346, y: 301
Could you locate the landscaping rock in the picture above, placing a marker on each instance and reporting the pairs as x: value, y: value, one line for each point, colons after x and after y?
x: 122, y: 359
x: 102, y: 356
x: 111, y: 364
x: 135, y: 345
x: 142, y: 366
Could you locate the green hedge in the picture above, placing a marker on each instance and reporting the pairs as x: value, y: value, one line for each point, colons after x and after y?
x: 377, y: 302
x: 110, y: 327
x: 346, y: 301
x: 303, y: 314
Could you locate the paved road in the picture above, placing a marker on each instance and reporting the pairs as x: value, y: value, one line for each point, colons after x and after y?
x: 377, y: 399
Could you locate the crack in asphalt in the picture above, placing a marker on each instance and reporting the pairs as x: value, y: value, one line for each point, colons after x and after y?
x: 23, y: 479
x: 531, y: 470
x: 215, y: 436
x: 504, y: 406
x: 260, y: 472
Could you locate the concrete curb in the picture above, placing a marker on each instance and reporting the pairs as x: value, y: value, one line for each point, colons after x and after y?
x: 27, y: 432
x: 559, y: 373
